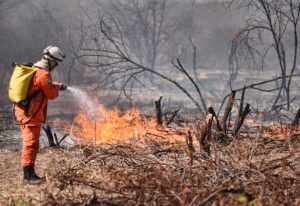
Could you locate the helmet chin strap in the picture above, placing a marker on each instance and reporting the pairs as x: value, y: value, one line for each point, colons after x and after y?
x: 49, y: 65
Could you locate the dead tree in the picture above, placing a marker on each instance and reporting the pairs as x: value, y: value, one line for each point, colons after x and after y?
x: 255, y: 87
x: 143, y: 25
x: 252, y: 43
x: 117, y: 63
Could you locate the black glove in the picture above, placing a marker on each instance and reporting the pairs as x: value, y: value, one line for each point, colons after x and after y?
x: 62, y: 87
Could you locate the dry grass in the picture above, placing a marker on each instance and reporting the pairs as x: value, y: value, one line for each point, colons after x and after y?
x: 154, y: 171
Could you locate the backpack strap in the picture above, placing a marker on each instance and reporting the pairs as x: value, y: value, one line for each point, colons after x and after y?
x: 27, y: 107
x: 27, y: 64
x: 28, y: 100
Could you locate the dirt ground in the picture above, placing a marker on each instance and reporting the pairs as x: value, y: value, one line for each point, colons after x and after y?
x: 13, y: 190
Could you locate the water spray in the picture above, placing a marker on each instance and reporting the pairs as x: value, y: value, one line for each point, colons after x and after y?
x: 87, y: 103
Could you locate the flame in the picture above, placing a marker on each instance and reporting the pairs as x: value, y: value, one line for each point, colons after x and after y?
x: 114, y: 126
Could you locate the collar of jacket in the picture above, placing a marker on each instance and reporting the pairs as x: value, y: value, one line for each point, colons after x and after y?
x: 43, y: 63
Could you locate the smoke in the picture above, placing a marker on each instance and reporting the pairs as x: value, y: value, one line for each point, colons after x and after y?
x: 31, y: 25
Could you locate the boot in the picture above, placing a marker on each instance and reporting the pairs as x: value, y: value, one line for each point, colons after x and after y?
x: 30, y: 176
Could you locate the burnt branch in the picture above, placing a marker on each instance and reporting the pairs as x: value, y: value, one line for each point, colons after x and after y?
x: 191, y: 149
x: 218, y: 125
x: 171, y: 119
x: 244, y: 114
x: 240, y: 111
x: 183, y: 70
x: 295, y: 122
x: 49, y: 134
x: 228, y: 110
x: 159, y: 119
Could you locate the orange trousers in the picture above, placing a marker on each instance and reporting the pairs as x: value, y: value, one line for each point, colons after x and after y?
x: 31, y: 142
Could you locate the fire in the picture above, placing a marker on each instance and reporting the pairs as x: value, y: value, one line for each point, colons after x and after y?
x: 114, y: 126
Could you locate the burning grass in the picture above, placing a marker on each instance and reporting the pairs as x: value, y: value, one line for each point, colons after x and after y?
x: 113, y: 126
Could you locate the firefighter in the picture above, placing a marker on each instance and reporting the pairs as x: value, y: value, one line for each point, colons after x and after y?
x: 33, y: 115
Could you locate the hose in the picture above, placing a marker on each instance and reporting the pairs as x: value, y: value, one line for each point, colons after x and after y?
x: 36, y: 112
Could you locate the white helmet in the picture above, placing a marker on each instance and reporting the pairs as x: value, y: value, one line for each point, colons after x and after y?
x: 53, y: 53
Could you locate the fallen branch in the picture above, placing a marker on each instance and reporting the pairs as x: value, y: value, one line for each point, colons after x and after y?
x: 58, y: 143
x: 171, y: 119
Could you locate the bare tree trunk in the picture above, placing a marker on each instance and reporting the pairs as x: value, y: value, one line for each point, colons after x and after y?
x: 244, y: 114
x: 240, y: 110
x: 205, y: 136
x: 159, y: 119
x: 219, y: 128
x: 49, y: 134
x: 228, y: 110
x: 296, y: 119
x: 189, y: 142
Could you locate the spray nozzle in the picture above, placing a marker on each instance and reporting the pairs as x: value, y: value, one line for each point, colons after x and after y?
x: 62, y: 87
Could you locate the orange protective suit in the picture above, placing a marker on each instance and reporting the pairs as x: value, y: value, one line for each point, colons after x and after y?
x: 36, y: 114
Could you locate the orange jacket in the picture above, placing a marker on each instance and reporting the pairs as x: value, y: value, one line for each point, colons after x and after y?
x: 41, y: 80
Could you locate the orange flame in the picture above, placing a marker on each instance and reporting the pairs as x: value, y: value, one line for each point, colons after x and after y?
x: 115, y: 126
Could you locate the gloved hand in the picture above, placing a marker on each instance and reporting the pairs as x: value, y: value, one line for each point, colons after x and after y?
x: 60, y: 86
